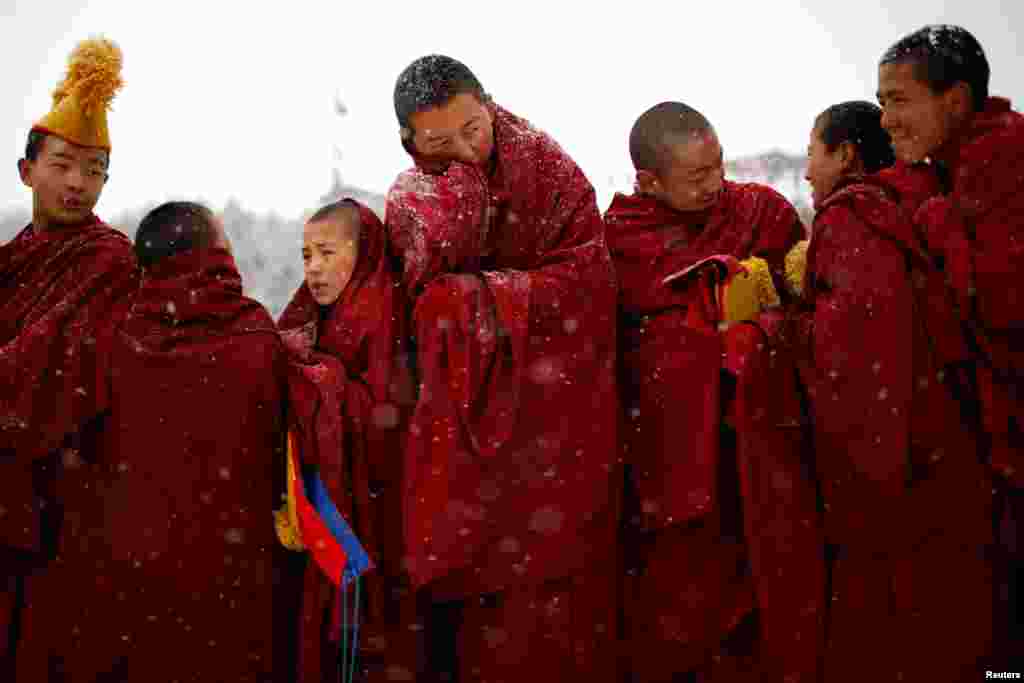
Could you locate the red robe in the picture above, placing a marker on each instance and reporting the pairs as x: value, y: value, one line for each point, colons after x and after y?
x: 512, y: 449
x: 350, y: 392
x: 165, y: 565
x: 892, y: 451
x: 977, y: 230
x: 693, y: 584
x: 56, y: 292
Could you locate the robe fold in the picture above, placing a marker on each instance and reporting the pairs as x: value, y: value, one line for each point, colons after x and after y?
x: 723, y: 526
x: 907, y: 500
x: 977, y: 231
x: 350, y: 393
x: 511, y: 460
x: 56, y: 291
x: 165, y: 569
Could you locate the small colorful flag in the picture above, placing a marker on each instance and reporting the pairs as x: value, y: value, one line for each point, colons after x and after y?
x: 311, y: 521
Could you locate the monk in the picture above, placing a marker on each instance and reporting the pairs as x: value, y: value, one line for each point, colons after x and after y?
x: 59, y: 278
x: 724, y: 578
x: 350, y: 392
x: 933, y: 88
x: 165, y: 568
x: 892, y: 450
x: 510, y: 501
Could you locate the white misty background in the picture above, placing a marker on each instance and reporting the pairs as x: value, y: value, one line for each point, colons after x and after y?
x: 268, y: 246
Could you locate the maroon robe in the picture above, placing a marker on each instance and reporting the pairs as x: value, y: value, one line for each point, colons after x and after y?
x: 56, y: 292
x: 165, y: 565
x: 892, y: 452
x: 977, y: 232
x: 512, y: 449
x: 725, y: 529
x: 350, y: 394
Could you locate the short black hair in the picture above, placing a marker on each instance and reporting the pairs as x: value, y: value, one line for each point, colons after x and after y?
x: 36, y: 140
x: 657, y: 128
x: 859, y: 123
x: 172, y: 228
x: 430, y: 82
x: 943, y: 55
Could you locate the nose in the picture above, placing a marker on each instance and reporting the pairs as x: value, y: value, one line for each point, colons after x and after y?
x: 888, y: 120
x: 76, y: 179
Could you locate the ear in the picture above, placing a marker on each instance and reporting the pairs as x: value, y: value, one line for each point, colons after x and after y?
x: 961, y: 99
x: 849, y: 159
x: 647, y: 183
x: 23, y: 172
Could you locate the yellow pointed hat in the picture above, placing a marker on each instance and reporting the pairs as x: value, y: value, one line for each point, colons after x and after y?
x: 81, y: 101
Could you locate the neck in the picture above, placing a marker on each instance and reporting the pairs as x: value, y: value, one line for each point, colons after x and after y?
x: 42, y: 224
x: 947, y: 152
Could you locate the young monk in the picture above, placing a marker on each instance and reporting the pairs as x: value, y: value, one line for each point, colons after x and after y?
x: 907, y: 501
x: 714, y: 535
x: 350, y: 394
x: 510, y: 507
x: 165, y: 565
x: 933, y: 86
x: 59, y: 278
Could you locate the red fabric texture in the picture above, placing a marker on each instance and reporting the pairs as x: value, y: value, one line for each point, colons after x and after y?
x: 891, y: 450
x: 57, y: 288
x: 350, y: 394
x: 562, y: 630
x: 737, y: 526
x: 649, y: 241
x: 511, y: 456
x: 167, y: 545
x: 978, y: 232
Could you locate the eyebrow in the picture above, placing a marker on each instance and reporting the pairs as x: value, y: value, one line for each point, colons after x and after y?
x: 67, y: 157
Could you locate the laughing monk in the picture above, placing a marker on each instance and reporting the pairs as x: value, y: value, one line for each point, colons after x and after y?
x: 723, y: 559
x: 510, y: 504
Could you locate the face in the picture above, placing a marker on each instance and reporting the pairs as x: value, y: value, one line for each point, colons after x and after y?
x: 919, y: 120
x: 824, y: 168
x: 330, y: 249
x: 66, y: 182
x: 692, y: 180
x: 461, y: 130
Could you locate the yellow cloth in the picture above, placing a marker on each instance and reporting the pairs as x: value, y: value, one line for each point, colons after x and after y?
x: 796, y: 266
x: 81, y: 101
x: 286, y: 521
x: 747, y: 293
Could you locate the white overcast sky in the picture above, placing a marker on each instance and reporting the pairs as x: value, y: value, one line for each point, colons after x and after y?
x: 235, y: 99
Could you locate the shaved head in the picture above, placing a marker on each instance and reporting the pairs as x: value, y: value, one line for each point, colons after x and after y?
x: 342, y: 213
x: 175, y: 227
x: 659, y: 129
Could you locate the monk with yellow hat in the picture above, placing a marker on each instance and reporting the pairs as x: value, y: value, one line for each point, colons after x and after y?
x: 60, y: 279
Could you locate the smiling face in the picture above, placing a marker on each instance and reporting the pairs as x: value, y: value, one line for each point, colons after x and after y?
x: 825, y: 168
x: 460, y: 130
x: 691, y: 179
x: 919, y: 120
x: 66, y: 182
x: 330, y: 250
